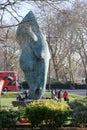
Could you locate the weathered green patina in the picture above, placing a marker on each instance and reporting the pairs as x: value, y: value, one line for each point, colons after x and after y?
x: 34, y: 59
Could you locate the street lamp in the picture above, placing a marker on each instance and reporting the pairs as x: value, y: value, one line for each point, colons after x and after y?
x: 5, y: 49
x: 5, y: 57
x: 49, y: 77
x: 86, y: 80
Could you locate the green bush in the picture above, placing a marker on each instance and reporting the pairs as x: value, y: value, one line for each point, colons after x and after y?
x: 79, y: 112
x: 8, y: 117
x: 47, y: 112
x: 80, y: 118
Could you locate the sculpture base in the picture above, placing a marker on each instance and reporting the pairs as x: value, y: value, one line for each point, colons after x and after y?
x: 21, y: 103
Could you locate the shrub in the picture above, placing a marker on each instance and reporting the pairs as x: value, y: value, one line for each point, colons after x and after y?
x: 79, y: 112
x: 8, y: 117
x: 47, y: 112
x: 80, y: 118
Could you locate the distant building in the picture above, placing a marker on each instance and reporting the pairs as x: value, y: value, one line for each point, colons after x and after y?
x: 80, y: 80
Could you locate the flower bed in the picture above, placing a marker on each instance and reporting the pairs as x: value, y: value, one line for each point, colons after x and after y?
x: 22, y: 121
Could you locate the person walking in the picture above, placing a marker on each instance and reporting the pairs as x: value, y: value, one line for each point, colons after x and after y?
x: 59, y: 95
x: 65, y: 96
x: 55, y: 95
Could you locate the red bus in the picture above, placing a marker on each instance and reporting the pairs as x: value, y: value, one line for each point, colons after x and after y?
x: 10, y: 79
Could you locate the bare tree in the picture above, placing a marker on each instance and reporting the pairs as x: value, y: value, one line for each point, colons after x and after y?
x: 65, y: 29
x: 9, y: 49
x: 80, y: 9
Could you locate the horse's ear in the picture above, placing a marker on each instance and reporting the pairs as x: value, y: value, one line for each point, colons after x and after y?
x: 32, y: 35
x: 44, y: 36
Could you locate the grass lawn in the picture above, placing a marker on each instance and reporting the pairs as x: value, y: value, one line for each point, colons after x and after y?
x: 6, y: 99
x: 75, y: 97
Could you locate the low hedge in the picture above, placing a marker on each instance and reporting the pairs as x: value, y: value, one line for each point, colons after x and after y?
x: 38, y: 113
x: 47, y: 113
x: 59, y: 85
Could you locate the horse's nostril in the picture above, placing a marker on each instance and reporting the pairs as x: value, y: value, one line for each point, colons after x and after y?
x: 37, y: 92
